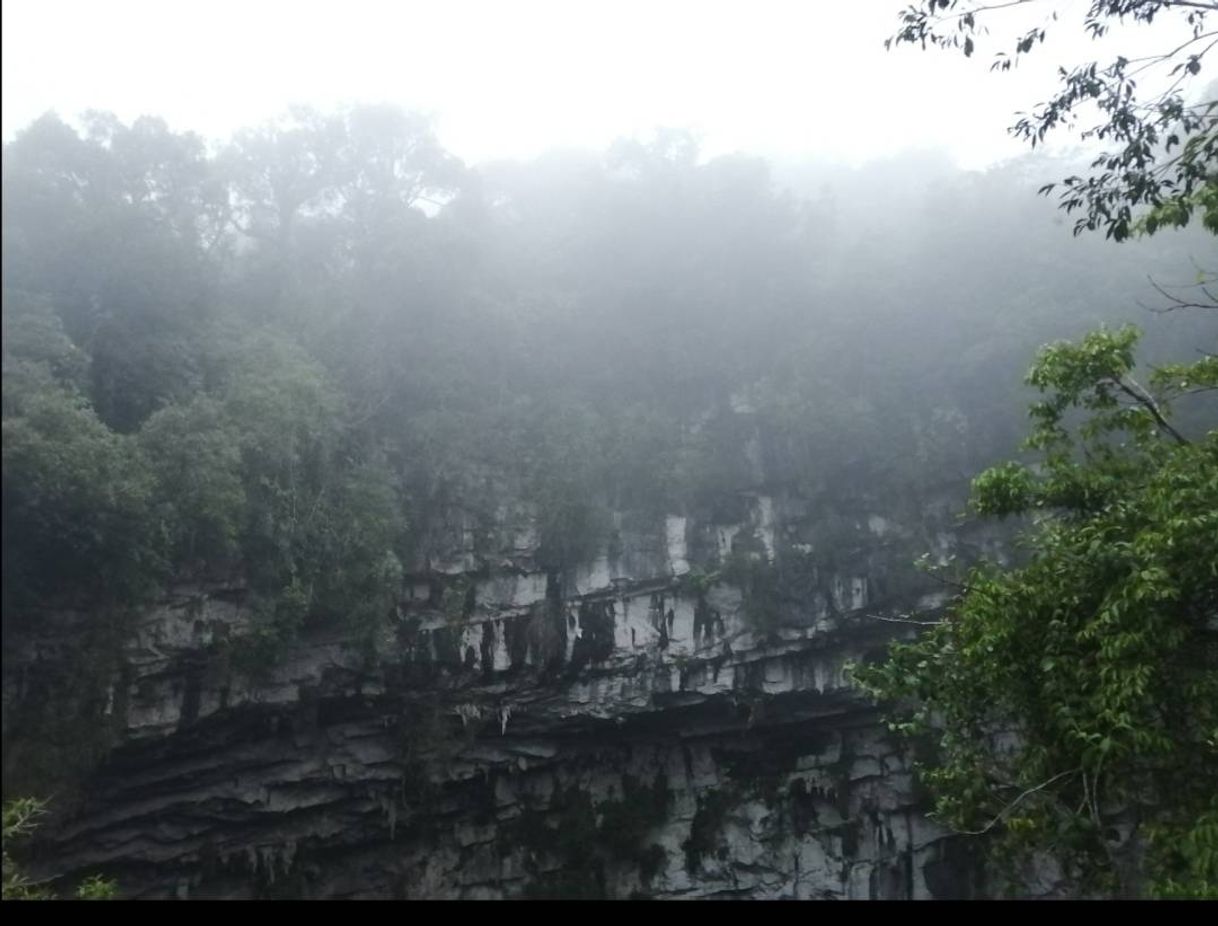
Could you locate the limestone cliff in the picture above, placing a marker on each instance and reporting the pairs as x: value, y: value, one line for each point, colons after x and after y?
x: 669, y: 720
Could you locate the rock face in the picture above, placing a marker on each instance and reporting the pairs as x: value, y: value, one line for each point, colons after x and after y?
x: 669, y: 720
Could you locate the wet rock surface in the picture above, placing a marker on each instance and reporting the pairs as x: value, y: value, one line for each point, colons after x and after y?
x: 637, y: 726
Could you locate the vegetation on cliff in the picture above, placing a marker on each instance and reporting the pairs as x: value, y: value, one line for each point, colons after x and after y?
x: 1072, y: 700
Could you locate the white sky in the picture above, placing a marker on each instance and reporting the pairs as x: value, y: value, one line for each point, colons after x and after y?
x: 514, y: 77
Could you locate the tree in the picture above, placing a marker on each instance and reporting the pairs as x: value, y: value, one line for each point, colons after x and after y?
x: 1165, y: 152
x: 1071, y: 702
x: 76, y: 518
x: 20, y: 820
x: 19, y: 817
x: 1076, y: 697
x: 132, y: 213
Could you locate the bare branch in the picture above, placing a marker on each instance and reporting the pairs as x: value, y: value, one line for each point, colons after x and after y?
x: 1131, y: 388
x: 1150, y: 61
x: 1177, y: 302
x: 1002, y: 814
x: 904, y: 619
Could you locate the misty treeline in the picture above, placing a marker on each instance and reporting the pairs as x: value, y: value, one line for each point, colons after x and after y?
x: 278, y: 359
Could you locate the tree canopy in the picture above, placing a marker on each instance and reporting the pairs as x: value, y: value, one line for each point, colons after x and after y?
x: 1075, y: 698
x: 1162, y: 138
x: 302, y: 361
x: 1067, y: 704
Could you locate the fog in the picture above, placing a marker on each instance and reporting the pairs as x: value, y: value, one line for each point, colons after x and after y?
x: 518, y: 293
x: 297, y: 293
x: 780, y: 78
x: 577, y: 330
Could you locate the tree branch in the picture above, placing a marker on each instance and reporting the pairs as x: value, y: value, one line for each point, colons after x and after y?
x: 1144, y: 399
x: 1011, y: 806
x: 1207, y: 7
x: 901, y: 620
x: 1149, y: 61
x: 1177, y: 302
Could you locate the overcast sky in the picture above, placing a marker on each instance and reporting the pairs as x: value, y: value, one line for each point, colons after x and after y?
x: 510, y: 78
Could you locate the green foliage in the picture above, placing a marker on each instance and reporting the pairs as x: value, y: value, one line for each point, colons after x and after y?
x: 1076, y: 697
x: 20, y: 821
x: 1184, y: 859
x: 194, y: 453
x: 260, y: 473
x: 269, y: 367
x: 66, y: 724
x: 76, y: 518
x: 1166, y: 146
x: 1176, y: 211
x: 34, y: 337
x: 759, y: 582
x: 563, y: 473
x: 20, y: 818
x: 697, y: 582
x: 129, y: 209
x: 96, y: 887
x: 266, y: 469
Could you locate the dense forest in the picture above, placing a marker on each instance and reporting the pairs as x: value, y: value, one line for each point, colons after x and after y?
x: 278, y: 355
x: 279, y: 360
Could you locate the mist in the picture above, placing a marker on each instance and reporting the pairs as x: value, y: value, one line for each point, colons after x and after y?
x: 373, y: 331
